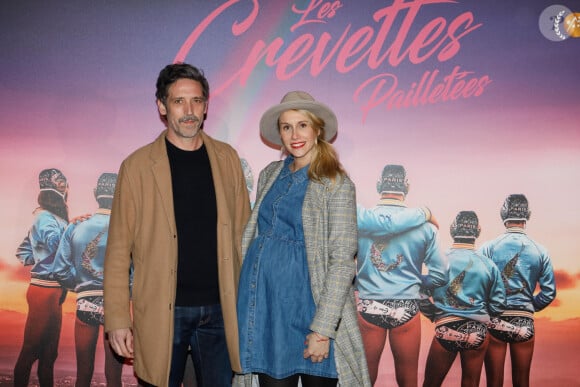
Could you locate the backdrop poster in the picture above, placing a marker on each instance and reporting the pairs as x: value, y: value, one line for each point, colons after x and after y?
x: 477, y: 100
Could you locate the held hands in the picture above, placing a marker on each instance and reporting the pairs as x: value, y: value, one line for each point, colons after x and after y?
x: 121, y: 341
x: 317, y: 347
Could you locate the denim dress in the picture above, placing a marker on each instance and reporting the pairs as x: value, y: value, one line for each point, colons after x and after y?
x: 275, y: 304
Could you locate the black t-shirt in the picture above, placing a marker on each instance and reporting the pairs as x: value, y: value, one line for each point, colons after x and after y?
x: 195, y: 209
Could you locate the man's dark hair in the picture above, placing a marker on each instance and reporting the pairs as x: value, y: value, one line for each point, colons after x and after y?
x: 173, y: 72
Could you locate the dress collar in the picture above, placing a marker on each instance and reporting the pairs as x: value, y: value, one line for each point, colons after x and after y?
x: 299, y: 176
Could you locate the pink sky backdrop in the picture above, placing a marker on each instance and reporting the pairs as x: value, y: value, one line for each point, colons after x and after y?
x: 77, y: 92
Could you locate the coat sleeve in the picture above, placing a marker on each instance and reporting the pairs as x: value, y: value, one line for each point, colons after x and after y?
x: 436, y: 263
x: 116, y: 277
x: 547, y: 283
x: 24, y: 251
x: 340, y: 265
x: 64, y: 270
x: 372, y: 224
x: 48, y: 230
x: 497, y: 294
x: 242, y: 212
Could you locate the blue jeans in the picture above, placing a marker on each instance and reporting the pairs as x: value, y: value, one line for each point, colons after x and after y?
x: 200, y: 328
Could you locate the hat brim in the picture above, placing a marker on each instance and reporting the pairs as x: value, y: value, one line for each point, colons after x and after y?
x: 269, y: 121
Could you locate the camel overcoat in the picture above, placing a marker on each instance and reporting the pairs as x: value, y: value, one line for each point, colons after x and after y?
x: 142, y: 230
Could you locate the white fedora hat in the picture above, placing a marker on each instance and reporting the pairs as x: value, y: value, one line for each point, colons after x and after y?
x: 296, y: 100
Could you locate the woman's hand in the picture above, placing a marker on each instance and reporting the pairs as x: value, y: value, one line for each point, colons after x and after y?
x: 317, y: 347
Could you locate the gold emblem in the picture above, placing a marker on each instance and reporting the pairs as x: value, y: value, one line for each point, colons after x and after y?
x: 572, y: 25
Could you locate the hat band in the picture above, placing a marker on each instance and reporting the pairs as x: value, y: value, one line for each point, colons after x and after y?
x: 104, y: 197
x: 514, y: 220
x: 393, y: 192
x: 53, y: 190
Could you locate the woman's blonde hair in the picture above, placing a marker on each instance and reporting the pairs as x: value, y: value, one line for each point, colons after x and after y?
x: 325, y: 162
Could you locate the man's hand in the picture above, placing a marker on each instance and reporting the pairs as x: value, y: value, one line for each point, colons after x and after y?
x: 80, y: 218
x: 122, y: 342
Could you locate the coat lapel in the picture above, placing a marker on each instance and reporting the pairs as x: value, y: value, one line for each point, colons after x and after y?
x: 162, y: 176
x: 216, y: 163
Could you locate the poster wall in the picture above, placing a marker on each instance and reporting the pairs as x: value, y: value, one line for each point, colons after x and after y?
x: 478, y: 100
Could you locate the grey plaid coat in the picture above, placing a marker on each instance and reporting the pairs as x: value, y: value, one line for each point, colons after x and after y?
x: 330, y: 230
